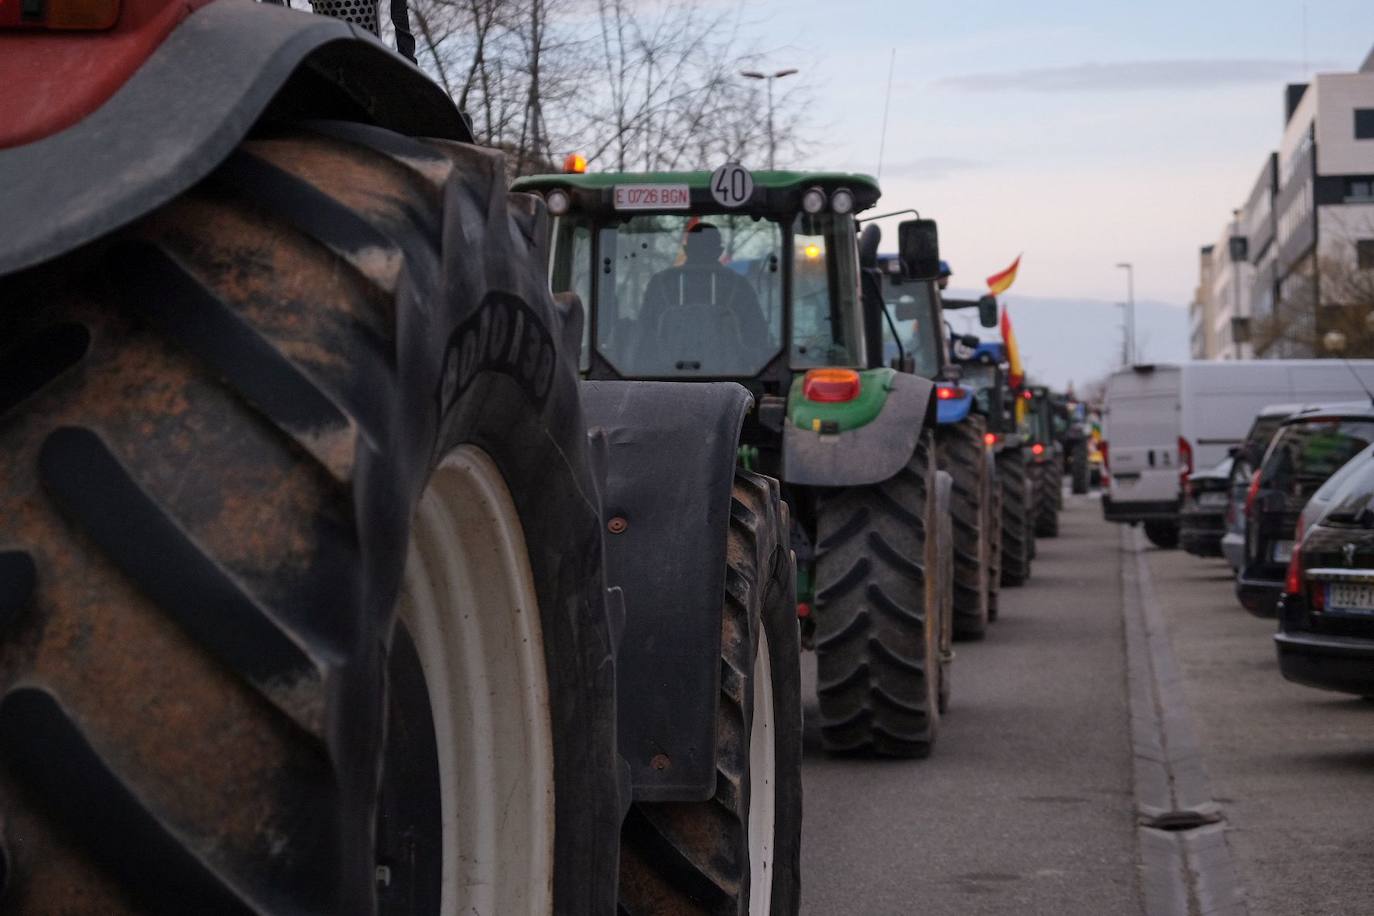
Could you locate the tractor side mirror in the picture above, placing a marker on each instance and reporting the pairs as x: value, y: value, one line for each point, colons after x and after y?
x: 918, y: 246
x: 915, y: 300
x: 987, y: 311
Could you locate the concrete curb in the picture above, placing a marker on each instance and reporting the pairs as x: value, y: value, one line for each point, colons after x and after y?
x: 1186, y: 863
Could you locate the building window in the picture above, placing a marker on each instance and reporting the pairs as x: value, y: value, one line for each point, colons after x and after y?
x: 1360, y: 189
x: 1364, y: 123
x: 1364, y: 254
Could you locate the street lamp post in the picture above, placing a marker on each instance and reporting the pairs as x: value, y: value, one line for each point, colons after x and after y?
x: 1130, y: 312
x: 769, y: 77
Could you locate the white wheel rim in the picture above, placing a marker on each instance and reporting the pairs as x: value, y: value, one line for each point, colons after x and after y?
x: 763, y: 767
x: 469, y: 602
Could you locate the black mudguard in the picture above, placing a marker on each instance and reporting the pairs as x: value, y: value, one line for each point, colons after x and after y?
x: 867, y: 455
x: 189, y: 105
x: 671, y: 454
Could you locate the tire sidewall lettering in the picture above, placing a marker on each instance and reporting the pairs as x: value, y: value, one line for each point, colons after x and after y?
x: 505, y: 336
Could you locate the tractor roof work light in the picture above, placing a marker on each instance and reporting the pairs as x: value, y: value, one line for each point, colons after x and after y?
x: 813, y: 200
x: 558, y: 202
x: 842, y: 201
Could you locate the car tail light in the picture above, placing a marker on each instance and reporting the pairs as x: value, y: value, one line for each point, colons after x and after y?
x: 831, y: 385
x: 1292, y: 582
x: 949, y: 392
x: 1185, y: 459
x: 1252, y: 494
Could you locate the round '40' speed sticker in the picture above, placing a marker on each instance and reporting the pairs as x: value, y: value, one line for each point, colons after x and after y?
x: 732, y: 185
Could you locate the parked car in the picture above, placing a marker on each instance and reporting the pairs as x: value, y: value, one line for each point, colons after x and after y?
x: 1248, y: 456
x: 1162, y: 421
x: 1326, y: 615
x: 1309, y: 447
x: 1202, y: 520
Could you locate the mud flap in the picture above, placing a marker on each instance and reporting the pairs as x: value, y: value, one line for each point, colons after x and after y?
x: 671, y: 456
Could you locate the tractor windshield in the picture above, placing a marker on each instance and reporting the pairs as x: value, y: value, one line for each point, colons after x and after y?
x: 681, y: 295
x: 827, y: 326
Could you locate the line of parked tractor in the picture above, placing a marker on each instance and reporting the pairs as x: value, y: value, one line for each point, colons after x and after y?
x: 1270, y: 465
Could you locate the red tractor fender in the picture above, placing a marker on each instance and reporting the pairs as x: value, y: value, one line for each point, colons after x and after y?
x: 182, y: 87
x: 66, y: 75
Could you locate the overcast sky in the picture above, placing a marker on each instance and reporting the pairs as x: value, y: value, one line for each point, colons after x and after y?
x: 1083, y: 133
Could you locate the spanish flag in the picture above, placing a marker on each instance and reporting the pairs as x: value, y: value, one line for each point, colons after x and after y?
x: 999, y: 283
x: 1016, y: 371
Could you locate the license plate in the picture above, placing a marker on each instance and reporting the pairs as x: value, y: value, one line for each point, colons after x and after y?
x: 1212, y: 500
x: 652, y: 197
x: 1345, y: 596
x: 1283, y: 551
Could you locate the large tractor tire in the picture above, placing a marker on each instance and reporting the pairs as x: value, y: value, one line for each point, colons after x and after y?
x: 717, y: 856
x: 1078, y: 466
x: 300, y: 572
x: 944, y: 568
x: 1048, y: 484
x: 1017, y: 537
x: 960, y: 450
x: 1059, y: 481
x: 994, y: 535
x: 877, y: 635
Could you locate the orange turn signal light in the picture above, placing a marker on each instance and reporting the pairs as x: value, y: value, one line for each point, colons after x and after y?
x: 831, y: 385
x: 575, y: 164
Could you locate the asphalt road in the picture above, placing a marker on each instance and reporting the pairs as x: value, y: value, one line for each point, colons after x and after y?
x: 1028, y: 803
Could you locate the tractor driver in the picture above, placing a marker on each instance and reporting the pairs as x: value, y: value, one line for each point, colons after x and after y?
x: 701, y: 281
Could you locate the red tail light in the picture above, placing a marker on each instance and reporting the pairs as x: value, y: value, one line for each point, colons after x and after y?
x: 831, y: 385
x: 1037, y: 449
x: 949, y: 392
x: 1185, y: 459
x: 1251, y: 495
x: 989, y: 438
x: 1292, y: 582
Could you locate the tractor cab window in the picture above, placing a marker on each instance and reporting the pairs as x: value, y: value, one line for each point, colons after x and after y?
x: 981, y: 377
x: 920, y: 336
x: 827, y: 324
x: 681, y: 295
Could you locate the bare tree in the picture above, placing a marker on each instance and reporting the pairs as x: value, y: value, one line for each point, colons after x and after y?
x: 1327, y: 309
x: 629, y: 84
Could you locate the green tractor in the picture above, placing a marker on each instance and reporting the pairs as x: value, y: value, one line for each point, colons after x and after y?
x: 758, y: 279
x: 1046, y: 423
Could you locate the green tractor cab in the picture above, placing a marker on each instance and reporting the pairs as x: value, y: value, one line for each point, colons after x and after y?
x: 760, y: 279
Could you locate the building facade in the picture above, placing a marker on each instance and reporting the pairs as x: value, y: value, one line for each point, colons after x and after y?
x: 1287, y: 255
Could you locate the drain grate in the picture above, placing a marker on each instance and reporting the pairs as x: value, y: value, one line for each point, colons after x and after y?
x: 1177, y: 821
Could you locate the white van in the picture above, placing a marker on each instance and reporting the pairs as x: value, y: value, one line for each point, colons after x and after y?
x: 1162, y: 421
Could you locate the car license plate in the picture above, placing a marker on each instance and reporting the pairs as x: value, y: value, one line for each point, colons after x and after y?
x: 1283, y: 551
x: 1346, y: 596
x: 1212, y: 500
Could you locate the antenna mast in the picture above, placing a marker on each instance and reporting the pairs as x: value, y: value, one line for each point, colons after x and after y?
x: 887, y: 102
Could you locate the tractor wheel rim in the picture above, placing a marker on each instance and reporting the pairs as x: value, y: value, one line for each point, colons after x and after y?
x: 468, y: 601
x: 763, y: 766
